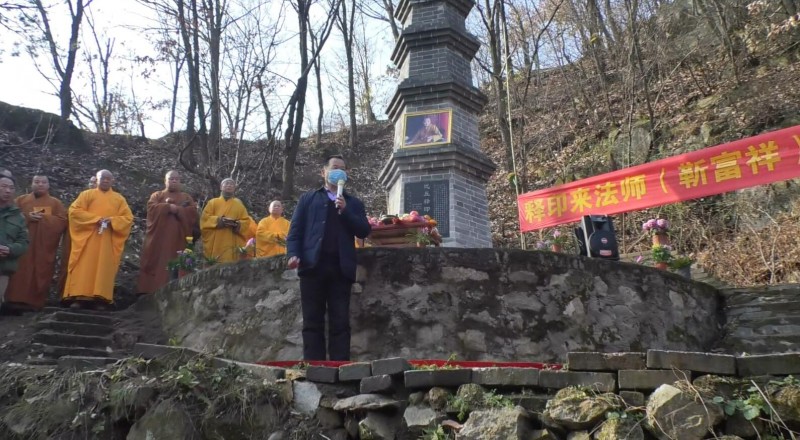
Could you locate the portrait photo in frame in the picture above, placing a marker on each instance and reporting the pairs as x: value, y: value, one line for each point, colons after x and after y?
x: 427, y: 128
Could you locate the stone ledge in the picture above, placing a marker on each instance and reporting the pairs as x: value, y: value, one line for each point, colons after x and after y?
x: 596, y: 361
x: 390, y: 366
x: 437, y: 378
x: 321, y: 374
x: 694, y: 361
x: 354, y: 371
x: 759, y: 365
x: 650, y: 379
x: 522, y: 377
x: 601, y: 382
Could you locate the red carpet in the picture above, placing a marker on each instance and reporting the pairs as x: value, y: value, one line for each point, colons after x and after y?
x: 422, y: 362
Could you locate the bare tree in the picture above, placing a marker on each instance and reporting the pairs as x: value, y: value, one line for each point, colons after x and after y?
x: 35, y: 26
x: 346, y: 25
x: 295, y: 108
x: 98, y: 61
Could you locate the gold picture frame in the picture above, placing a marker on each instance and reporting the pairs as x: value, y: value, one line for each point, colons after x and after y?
x: 423, y: 129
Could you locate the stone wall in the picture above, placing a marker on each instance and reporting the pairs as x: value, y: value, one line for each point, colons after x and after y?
x: 477, y: 304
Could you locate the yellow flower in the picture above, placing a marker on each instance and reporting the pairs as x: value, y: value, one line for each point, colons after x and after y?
x: 187, y: 251
x: 189, y: 240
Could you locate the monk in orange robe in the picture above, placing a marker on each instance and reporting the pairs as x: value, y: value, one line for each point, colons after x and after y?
x: 46, y: 219
x: 99, y: 223
x: 224, y: 225
x: 171, y: 214
x: 272, y: 231
x: 66, y: 246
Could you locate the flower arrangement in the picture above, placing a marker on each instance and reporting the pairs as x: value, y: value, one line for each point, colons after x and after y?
x: 656, y: 226
x: 661, y: 253
x: 249, y: 248
x: 559, y: 239
x: 678, y: 263
x: 187, y: 260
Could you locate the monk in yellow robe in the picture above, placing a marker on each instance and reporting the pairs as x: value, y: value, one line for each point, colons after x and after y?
x: 99, y: 223
x: 46, y: 219
x: 272, y: 231
x: 224, y: 225
x: 171, y: 214
x: 66, y: 247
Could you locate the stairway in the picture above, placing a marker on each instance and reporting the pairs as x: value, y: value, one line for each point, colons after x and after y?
x: 73, y: 337
x: 762, y: 320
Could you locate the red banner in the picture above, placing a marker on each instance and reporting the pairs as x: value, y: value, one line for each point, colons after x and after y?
x: 766, y: 158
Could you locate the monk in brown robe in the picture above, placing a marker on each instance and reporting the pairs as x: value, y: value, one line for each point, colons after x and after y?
x: 171, y: 214
x: 46, y: 219
x: 66, y: 247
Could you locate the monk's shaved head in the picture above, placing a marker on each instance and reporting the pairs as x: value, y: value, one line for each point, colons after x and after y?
x: 276, y: 208
x: 40, y: 185
x: 228, y: 187
x: 104, y: 180
x: 172, y: 180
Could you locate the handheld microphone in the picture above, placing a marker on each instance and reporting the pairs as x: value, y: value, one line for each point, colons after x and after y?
x: 340, y: 190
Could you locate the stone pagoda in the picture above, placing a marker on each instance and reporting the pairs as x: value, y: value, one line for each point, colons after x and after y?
x: 437, y: 167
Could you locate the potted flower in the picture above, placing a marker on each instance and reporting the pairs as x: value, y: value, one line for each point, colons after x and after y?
x: 185, y: 263
x: 248, y: 250
x: 682, y: 266
x: 658, y: 228
x: 661, y: 255
x: 559, y: 241
x: 188, y: 261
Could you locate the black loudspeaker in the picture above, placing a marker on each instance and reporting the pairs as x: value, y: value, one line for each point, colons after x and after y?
x: 596, y: 237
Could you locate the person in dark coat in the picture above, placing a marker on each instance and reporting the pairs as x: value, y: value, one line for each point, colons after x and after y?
x: 321, y: 246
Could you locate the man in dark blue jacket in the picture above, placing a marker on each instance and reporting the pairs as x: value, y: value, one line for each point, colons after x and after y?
x: 321, y: 245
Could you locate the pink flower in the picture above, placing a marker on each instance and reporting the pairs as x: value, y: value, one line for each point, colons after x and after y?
x: 556, y: 233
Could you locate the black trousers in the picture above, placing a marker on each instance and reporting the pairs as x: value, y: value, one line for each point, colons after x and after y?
x: 323, y: 290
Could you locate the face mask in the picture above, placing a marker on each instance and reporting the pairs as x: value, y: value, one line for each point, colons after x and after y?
x: 334, y: 176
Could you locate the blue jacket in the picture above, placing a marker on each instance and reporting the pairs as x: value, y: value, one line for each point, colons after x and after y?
x: 308, y: 226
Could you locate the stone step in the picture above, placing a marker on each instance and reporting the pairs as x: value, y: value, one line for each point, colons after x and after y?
x: 64, y: 316
x: 55, y: 351
x: 765, y: 330
x: 765, y: 310
x: 764, y: 344
x: 68, y: 340
x: 742, y: 300
x: 77, y: 328
x: 78, y: 311
x: 83, y: 362
x: 41, y: 361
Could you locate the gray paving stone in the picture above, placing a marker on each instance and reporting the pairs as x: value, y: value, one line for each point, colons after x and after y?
x: 390, y: 366
x: 83, y: 362
x: 685, y: 360
x: 650, y: 379
x: 321, y: 374
x: 602, y: 382
x: 377, y: 384
x: 437, y: 378
x: 595, y: 361
x: 759, y: 365
x: 354, y: 371
x: 632, y: 398
x: 156, y: 351
x: 271, y: 374
x: 502, y: 376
